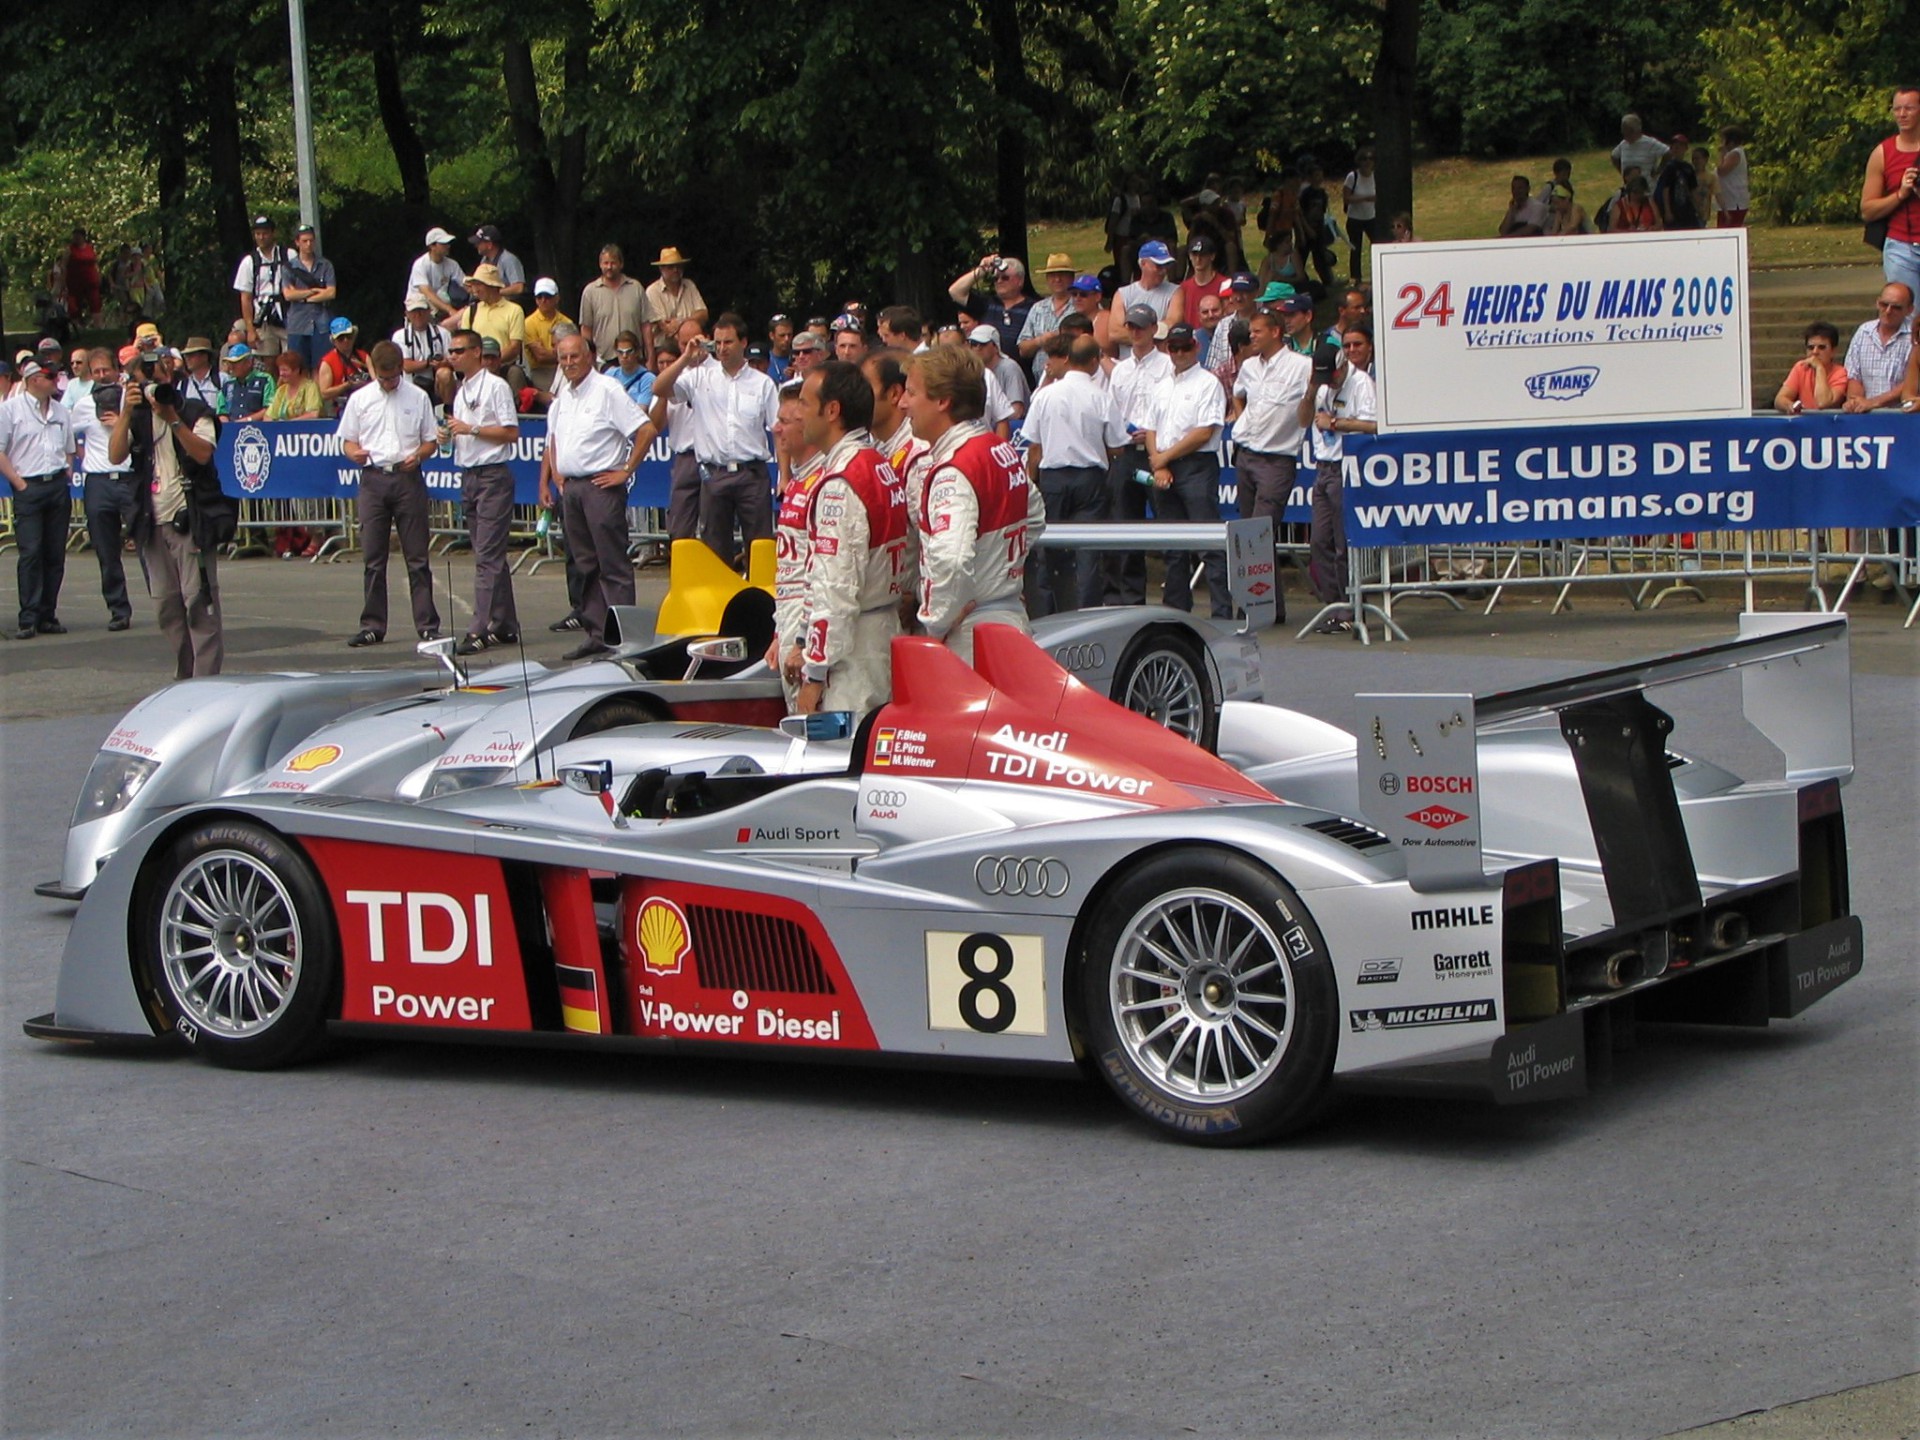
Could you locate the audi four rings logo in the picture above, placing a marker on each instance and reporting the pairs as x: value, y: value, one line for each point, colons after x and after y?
x: 892, y: 798
x: 1021, y: 875
x: 1081, y: 657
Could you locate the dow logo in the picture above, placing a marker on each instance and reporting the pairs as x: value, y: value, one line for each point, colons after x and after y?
x: 1436, y: 817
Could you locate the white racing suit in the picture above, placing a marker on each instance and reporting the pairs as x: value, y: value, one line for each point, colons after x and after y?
x: 979, y: 518
x: 793, y: 554
x: 908, y: 454
x: 857, y: 526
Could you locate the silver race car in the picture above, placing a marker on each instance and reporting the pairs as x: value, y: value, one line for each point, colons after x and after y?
x: 1001, y: 866
x: 399, y: 734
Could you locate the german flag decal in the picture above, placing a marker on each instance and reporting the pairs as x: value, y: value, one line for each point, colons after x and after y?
x: 579, y: 999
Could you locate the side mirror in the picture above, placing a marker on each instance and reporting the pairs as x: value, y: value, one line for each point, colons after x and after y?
x: 595, y: 777
x: 443, y: 651
x: 721, y: 650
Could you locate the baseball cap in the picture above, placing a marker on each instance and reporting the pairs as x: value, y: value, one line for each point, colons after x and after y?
x: 845, y: 322
x: 144, y: 333
x: 1294, y: 304
x: 545, y: 286
x: 489, y: 345
x: 1276, y: 290
x: 437, y: 236
x: 1202, y: 245
x: 1141, y: 317
x: 305, y: 230
x: 1180, y: 337
x: 263, y: 222
x: 756, y: 352
x: 6, y: 367
x: 49, y: 343
x: 1153, y: 250
x: 982, y: 335
x: 488, y: 233
x: 239, y: 350
x: 342, y: 326
x: 1086, y: 285
x: 807, y: 340
x: 129, y: 353
x: 417, y: 301
x: 30, y: 369
x: 1243, y: 283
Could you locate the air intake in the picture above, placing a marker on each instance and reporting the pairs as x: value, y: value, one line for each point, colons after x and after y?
x: 758, y: 953
x: 1348, y: 832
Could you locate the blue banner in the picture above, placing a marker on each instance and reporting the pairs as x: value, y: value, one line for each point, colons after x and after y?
x: 1481, y: 486
x: 301, y: 460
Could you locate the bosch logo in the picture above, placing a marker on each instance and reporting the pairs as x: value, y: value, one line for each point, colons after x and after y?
x: 1081, y: 657
x: 1027, y: 875
x: 1437, y: 785
x: 890, y: 798
x: 1389, y: 784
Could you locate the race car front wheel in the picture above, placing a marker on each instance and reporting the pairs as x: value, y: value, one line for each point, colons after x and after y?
x: 1163, y: 676
x: 1209, y: 1002
x: 235, y: 935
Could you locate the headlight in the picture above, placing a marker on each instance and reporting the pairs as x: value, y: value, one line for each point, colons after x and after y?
x: 455, y: 779
x: 111, y: 785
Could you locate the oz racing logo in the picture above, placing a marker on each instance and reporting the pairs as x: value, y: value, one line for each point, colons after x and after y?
x: 252, y: 459
x: 1034, y: 876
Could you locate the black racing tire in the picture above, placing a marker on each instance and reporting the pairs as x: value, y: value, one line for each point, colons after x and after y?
x: 1208, y: 1000
x: 1163, y: 675
x: 238, y: 942
x: 614, y: 712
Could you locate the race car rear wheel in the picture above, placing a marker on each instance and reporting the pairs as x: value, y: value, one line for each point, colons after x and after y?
x: 237, y: 941
x: 1208, y: 998
x: 1163, y: 676
x: 613, y: 713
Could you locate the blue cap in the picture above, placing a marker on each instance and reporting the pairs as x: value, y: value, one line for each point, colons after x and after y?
x: 1244, y: 284
x: 239, y: 350
x: 1153, y: 250
x: 1086, y: 285
x: 341, y: 326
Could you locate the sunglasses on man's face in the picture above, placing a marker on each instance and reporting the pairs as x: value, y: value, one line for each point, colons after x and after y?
x: 626, y: 350
x: 460, y: 349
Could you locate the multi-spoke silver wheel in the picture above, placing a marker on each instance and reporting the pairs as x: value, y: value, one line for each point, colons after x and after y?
x: 1207, y: 1001
x: 1164, y: 688
x: 1202, y: 995
x: 230, y: 944
x: 232, y: 928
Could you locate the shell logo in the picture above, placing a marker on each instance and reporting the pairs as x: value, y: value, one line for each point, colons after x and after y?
x: 317, y: 757
x: 660, y: 934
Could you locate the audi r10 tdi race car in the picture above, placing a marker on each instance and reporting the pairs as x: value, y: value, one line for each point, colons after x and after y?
x: 401, y: 735
x: 1001, y: 866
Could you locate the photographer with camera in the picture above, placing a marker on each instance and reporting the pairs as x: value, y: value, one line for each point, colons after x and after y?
x: 261, y: 284
x: 185, y: 516
x: 1005, y: 280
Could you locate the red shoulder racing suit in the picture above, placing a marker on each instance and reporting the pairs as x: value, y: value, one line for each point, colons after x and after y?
x: 978, y: 520
x: 857, y: 527
x: 793, y: 554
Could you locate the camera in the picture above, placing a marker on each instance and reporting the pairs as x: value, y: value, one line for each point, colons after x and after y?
x: 165, y: 394
x: 147, y: 363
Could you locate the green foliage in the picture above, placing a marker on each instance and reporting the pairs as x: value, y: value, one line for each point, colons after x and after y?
x: 1501, y: 78
x: 1811, y: 84
x: 1242, y: 86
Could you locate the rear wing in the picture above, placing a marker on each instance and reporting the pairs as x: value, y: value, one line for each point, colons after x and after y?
x: 1418, y: 765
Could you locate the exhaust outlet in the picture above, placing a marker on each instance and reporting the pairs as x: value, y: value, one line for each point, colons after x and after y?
x: 1727, y: 931
x: 1612, y: 972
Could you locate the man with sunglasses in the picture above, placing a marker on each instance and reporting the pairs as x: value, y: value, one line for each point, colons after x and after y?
x: 484, y: 429
x: 1877, y: 358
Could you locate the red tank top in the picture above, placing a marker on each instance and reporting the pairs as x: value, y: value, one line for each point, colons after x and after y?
x: 1904, y: 222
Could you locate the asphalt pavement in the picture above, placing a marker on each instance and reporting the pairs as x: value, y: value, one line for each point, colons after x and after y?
x: 424, y: 1241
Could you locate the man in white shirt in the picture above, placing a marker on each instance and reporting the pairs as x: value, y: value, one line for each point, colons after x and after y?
x: 1130, y: 387
x: 734, y: 408
x: 984, y: 341
x: 260, y: 282
x: 423, y: 350
x: 596, y: 437
x: 484, y: 428
x: 1340, y: 402
x: 1072, y: 434
x: 1267, y: 429
x: 1637, y: 150
x: 1183, y: 454
x: 36, y: 442
x: 387, y: 429
x: 110, y: 496
x: 434, y: 275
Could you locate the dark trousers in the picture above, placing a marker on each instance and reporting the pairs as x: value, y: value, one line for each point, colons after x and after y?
x: 729, y: 497
x: 1124, y: 572
x: 1065, y: 579
x: 1195, y: 496
x: 488, y: 493
x: 395, y: 500
x: 1327, y: 552
x: 1266, y: 483
x: 109, y: 502
x: 596, y: 521
x: 683, y: 496
x: 41, y: 514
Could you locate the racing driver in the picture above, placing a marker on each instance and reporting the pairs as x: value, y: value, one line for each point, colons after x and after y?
x: 801, y: 465
x: 907, y: 454
x: 857, y: 530
x: 979, y: 516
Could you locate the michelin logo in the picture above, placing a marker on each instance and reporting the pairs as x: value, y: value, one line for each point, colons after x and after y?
x: 1568, y: 384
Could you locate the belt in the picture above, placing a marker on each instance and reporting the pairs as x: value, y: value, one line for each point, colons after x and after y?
x: 730, y: 467
x: 1263, y: 454
x: 47, y: 475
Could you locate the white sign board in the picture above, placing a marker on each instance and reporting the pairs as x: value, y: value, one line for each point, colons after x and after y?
x: 1581, y: 329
